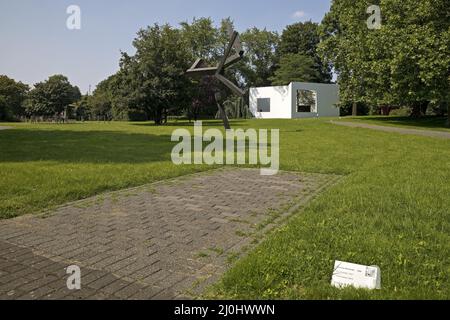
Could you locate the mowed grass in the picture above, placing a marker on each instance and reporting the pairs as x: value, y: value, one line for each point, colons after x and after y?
x: 426, y: 123
x: 45, y: 165
x: 391, y: 209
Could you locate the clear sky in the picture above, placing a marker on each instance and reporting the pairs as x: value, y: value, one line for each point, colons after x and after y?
x: 35, y: 42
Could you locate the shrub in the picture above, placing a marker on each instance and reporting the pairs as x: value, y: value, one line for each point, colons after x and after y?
x: 401, y: 112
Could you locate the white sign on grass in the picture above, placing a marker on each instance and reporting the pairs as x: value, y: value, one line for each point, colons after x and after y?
x: 355, y: 275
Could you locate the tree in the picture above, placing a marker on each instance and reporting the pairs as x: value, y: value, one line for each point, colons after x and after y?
x: 152, y: 82
x: 304, y: 38
x: 52, y: 97
x: 100, y: 103
x: 201, y: 38
x: 12, y: 96
x: 421, y: 54
x: 343, y: 33
x: 405, y: 63
x: 213, y: 41
x: 260, y: 58
x: 82, y: 108
x: 153, y: 79
x: 202, y: 41
x: 100, y: 106
x: 295, y: 67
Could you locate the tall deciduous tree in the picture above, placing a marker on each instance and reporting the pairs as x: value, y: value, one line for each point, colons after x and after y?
x: 12, y: 96
x: 201, y: 37
x: 202, y: 41
x: 154, y: 76
x: 295, y: 67
x: 52, y: 96
x: 260, y: 58
x: 303, y: 38
x: 404, y: 63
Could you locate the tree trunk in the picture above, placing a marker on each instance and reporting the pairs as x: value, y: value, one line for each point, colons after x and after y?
x: 416, y: 112
x: 385, y: 110
x: 165, y: 116
x: 196, y: 114
x: 448, y: 115
x: 355, y: 109
x: 424, y: 107
x: 420, y: 109
x: 158, y: 117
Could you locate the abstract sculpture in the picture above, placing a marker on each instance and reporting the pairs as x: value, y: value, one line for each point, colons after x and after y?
x: 199, y: 69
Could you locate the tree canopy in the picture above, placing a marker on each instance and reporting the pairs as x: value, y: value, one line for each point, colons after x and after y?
x: 260, y: 58
x: 12, y: 96
x: 52, y: 96
x: 303, y: 38
x: 295, y: 68
x: 404, y: 63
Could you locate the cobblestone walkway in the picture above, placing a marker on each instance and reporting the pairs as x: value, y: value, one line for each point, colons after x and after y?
x: 165, y: 240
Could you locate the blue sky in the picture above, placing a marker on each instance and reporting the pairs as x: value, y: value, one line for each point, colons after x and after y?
x: 35, y: 42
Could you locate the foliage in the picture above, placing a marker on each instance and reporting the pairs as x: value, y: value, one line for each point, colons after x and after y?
x: 347, y: 109
x: 201, y: 39
x: 52, y: 97
x: 100, y: 106
x: 303, y: 38
x: 81, y: 111
x: 295, y: 67
x: 235, y: 108
x: 400, y: 112
x: 12, y: 96
x: 260, y: 58
x: 153, y: 79
x: 405, y: 63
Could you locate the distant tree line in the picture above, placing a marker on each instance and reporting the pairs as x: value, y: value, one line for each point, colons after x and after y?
x: 53, y: 98
x: 404, y: 66
x: 151, y: 84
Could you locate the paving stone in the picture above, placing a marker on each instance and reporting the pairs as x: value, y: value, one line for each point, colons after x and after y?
x: 128, y: 291
x: 146, y: 293
x: 114, y: 287
x: 102, y: 282
x: 136, y: 244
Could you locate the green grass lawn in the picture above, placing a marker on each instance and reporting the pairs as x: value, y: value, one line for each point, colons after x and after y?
x: 392, y: 208
x: 425, y: 123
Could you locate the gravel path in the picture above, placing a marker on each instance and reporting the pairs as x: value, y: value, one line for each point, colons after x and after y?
x: 426, y: 133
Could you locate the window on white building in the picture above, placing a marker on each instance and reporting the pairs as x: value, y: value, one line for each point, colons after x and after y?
x: 263, y: 104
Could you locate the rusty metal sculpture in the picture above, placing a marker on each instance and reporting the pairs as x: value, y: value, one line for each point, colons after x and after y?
x: 200, y: 69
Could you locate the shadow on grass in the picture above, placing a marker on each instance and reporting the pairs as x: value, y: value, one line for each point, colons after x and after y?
x: 425, y: 122
x: 83, y: 147
x: 186, y: 123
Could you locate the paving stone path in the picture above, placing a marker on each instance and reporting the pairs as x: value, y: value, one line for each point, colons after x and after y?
x: 426, y: 133
x: 166, y: 240
x: 4, y: 128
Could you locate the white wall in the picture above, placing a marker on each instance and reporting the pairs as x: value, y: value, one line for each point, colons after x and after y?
x: 280, y: 102
x: 283, y: 101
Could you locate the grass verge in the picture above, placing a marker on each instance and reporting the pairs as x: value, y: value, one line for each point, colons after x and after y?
x: 391, y: 210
